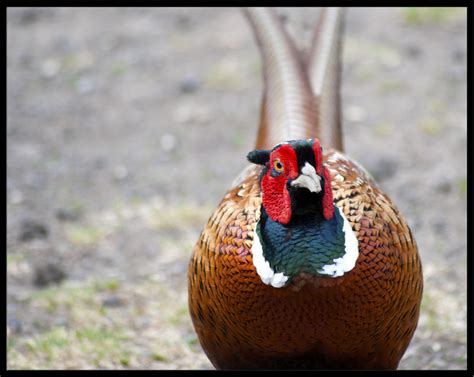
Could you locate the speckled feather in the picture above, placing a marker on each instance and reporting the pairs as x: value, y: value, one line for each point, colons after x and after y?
x: 364, y: 319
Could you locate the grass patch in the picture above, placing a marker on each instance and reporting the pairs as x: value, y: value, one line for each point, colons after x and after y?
x: 428, y: 309
x: 437, y: 310
x: 150, y: 329
x: 383, y: 129
x: 191, y: 340
x: 17, y: 263
x: 84, y: 235
x: 156, y: 356
x: 47, y: 342
x: 118, y: 69
x: 16, y: 257
x: 73, y: 80
x: 78, y: 301
x: 90, y: 338
x: 66, y: 298
x: 428, y: 15
x: 431, y: 126
x: 125, y: 361
x: 179, y: 315
x: 90, y: 343
x: 111, y: 285
x: 64, y: 293
x: 10, y: 343
x: 391, y: 86
x: 462, y: 185
x: 181, y: 216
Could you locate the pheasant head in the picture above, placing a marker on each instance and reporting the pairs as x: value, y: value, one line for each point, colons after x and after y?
x: 294, y: 181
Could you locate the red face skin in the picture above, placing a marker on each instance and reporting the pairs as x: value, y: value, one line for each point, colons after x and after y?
x: 322, y: 171
x: 275, y: 196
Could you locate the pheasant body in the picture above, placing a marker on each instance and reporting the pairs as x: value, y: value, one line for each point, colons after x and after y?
x: 305, y: 263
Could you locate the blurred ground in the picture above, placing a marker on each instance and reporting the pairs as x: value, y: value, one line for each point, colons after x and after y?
x: 125, y: 128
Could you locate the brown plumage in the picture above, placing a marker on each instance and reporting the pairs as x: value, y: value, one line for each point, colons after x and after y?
x: 363, y: 319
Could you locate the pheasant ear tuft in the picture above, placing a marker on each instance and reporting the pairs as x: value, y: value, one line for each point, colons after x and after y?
x: 259, y: 157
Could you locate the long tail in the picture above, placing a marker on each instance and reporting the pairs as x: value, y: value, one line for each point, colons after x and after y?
x: 287, y: 106
x: 301, y: 96
x: 324, y: 71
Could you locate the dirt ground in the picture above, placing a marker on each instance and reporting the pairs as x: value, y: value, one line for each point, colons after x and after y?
x: 126, y: 127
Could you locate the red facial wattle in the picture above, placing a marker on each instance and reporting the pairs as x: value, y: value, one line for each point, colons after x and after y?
x: 276, y: 199
x: 328, y: 206
x: 275, y: 196
x: 322, y: 171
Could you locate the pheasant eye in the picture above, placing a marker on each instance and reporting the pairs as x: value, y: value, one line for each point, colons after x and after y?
x: 278, y: 166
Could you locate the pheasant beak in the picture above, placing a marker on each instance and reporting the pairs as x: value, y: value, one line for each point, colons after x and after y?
x: 308, y: 179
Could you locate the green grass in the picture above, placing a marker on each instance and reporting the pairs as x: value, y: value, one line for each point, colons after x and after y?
x: 431, y: 126
x: 83, y: 235
x: 436, y: 305
x: 89, y: 334
x: 66, y: 298
x: 156, y: 356
x: 78, y: 301
x: 48, y: 342
x: 192, y: 340
x: 15, y: 258
x: 462, y: 185
x: 111, y: 285
x: 428, y: 309
x: 91, y: 342
x: 179, y: 315
x: 72, y: 328
x: 118, y: 69
x: 427, y: 15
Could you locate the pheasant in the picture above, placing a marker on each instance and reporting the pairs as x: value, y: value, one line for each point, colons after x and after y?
x: 305, y: 263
